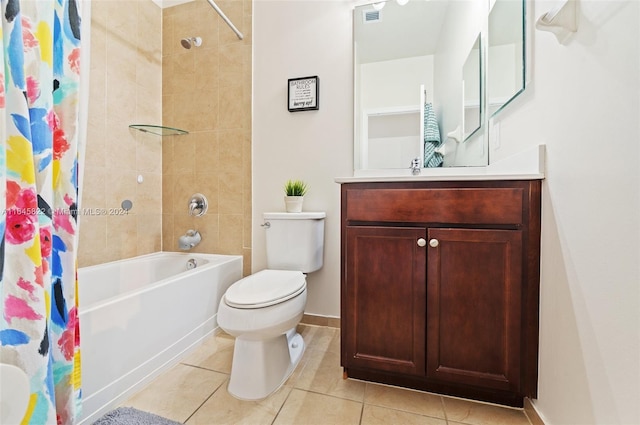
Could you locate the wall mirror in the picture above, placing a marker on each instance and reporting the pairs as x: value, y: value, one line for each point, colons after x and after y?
x: 409, y: 54
x: 505, y: 53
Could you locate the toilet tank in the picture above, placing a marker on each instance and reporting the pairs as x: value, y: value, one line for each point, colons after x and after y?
x: 295, y: 241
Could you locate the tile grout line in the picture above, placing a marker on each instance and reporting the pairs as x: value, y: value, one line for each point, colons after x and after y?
x: 444, y: 411
x: 281, y: 406
x: 364, y: 398
x: 202, y: 404
x: 361, y: 413
x: 204, y: 368
x: 406, y: 411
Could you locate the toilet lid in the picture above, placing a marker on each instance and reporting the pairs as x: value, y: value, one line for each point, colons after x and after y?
x: 265, y: 288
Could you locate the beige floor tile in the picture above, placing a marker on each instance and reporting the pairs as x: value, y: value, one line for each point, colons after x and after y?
x: 293, y: 378
x: 334, y: 346
x: 314, y: 394
x: 310, y: 408
x: 403, y: 399
x: 176, y: 394
x: 223, y: 408
x: 322, y: 374
x: 473, y: 413
x: 215, y: 353
x: 374, y: 415
x: 320, y: 338
x: 309, y: 334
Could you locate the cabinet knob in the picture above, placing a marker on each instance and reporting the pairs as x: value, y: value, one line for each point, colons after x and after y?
x: 422, y: 242
x: 434, y: 243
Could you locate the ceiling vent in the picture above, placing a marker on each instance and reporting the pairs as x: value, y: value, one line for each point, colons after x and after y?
x: 369, y: 16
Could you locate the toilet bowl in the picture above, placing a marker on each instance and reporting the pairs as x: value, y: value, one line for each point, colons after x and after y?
x: 262, y: 311
x: 14, y: 394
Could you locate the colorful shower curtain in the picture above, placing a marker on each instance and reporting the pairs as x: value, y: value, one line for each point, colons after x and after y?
x: 39, y: 87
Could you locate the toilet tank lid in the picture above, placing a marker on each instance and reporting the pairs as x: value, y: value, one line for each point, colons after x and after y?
x: 294, y: 216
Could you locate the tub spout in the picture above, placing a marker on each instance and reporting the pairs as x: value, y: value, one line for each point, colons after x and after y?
x: 189, y: 240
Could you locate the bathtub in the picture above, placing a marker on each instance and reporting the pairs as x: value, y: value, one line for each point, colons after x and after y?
x: 140, y: 316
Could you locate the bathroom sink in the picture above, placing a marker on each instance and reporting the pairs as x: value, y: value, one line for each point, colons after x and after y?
x: 526, y: 165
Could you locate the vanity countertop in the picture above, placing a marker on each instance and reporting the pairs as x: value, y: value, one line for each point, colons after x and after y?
x: 527, y: 165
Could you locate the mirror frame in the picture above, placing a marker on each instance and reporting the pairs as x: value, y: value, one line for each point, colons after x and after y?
x: 477, y: 45
x: 523, y: 56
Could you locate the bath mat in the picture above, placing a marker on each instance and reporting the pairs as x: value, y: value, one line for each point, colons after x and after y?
x: 131, y: 416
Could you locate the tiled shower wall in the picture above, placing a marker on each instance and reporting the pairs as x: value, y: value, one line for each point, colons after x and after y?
x: 207, y: 91
x: 140, y: 73
x: 125, y: 88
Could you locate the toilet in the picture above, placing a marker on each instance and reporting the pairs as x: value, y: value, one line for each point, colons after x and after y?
x: 262, y: 310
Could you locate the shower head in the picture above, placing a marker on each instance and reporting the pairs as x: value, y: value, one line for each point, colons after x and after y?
x: 191, y: 41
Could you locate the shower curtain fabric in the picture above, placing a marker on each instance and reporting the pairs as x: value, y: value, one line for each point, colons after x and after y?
x: 39, y: 96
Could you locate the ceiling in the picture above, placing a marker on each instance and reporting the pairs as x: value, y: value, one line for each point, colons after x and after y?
x: 394, y: 35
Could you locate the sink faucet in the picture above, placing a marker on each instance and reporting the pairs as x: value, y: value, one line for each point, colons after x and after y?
x: 415, y: 166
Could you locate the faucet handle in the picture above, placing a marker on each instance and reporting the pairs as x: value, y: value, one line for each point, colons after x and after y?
x: 415, y: 166
x: 198, y: 205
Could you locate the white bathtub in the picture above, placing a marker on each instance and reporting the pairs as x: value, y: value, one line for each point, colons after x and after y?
x: 139, y: 316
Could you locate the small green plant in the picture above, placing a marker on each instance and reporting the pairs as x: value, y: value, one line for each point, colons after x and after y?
x: 295, y: 188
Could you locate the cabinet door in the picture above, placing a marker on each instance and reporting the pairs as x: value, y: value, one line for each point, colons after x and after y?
x: 473, y: 309
x: 385, y: 289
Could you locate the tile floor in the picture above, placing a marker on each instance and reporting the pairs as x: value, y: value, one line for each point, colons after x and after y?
x: 194, y: 392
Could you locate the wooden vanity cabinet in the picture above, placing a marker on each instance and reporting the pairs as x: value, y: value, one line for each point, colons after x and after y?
x: 384, y: 296
x: 439, y: 286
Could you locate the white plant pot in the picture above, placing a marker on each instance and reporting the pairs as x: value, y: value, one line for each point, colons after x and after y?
x: 293, y: 203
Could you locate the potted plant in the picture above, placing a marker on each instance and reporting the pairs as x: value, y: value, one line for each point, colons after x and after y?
x: 294, y: 191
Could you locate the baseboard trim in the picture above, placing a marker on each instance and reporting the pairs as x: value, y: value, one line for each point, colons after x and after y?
x: 532, y: 413
x: 312, y: 319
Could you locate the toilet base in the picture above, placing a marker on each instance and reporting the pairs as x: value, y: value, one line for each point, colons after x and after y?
x: 260, y: 367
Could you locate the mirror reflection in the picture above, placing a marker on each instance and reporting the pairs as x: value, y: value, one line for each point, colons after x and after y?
x: 472, y: 83
x: 505, y: 53
x: 393, y: 139
x: 409, y: 60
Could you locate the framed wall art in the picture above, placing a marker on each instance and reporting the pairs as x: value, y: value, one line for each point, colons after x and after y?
x: 303, y: 94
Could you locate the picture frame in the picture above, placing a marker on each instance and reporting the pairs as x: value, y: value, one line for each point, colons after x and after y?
x: 303, y: 94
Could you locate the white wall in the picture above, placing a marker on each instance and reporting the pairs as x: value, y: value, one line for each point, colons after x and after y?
x: 583, y: 102
x: 298, y: 39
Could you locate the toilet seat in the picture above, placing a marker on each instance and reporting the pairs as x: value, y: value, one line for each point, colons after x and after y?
x: 265, y: 288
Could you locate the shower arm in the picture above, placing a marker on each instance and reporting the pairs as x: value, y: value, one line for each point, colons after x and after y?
x: 224, y: 18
